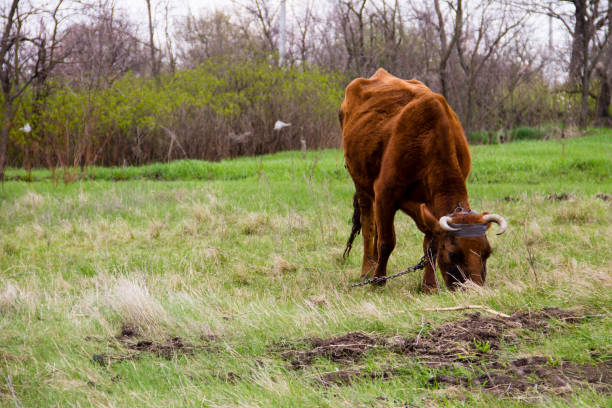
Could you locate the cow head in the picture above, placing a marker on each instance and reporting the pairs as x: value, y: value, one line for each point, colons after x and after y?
x: 461, y: 243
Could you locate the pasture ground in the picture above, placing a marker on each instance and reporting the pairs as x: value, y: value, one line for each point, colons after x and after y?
x: 223, y: 284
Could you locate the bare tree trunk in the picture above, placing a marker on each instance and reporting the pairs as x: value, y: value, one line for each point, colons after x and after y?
x: 469, y: 114
x: 584, y: 105
x: 261, y: 11
x: 446, y: 47
x: 579, y: 58
x: 154, y: 65
x: 5, y: 80
x: 19, y: 71
x: 171, y: 58
x: 8, y: 115
x: 580, y: 41
x: 587, y: 48
x: 3, y: 143
x: 354, y: 41
x: 603, y: 103
x: 604, y: 72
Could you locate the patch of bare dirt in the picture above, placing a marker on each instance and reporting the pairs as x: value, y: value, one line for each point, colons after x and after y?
x: 469, y: 343
x: 455, y: 340
x: 128, y: 331
x: 166, y: 349
x: 345, y: 377
x: 134, y: 347
x: 344, y: 349
x: 558, y: 197
x: 533, y: 372
x: 605, y: 197
x: 474, y: 338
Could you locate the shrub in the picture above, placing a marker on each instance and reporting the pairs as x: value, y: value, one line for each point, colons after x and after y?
x: 528, y: 133
x: 220, y: 109
x: 483, y: 137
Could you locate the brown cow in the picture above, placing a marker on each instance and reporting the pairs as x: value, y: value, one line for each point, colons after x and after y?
x: 405, y: 149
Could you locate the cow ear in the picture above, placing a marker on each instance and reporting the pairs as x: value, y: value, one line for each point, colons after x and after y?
x: 428, y: 220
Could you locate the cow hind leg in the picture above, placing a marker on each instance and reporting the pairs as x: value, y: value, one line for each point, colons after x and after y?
x: 355, y: 229
x: 363, y: 220
x: 368, y: 229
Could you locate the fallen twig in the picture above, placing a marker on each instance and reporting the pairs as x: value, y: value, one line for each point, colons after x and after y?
x: 418, y: 337
x: 479, y: 307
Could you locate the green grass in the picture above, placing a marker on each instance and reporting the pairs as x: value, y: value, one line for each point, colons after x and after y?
x: 243, y: 249
x: 517, y: 134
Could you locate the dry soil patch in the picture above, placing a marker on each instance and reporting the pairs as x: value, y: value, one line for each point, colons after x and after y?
x: 471, y: 343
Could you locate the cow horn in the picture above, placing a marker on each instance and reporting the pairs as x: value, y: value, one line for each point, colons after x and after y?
x: 498, y: 219
x: 444, y: 224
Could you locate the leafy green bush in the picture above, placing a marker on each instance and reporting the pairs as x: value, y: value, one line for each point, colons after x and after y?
x: 482, y: 137
x: 220, y: 109
x: 528, y: 133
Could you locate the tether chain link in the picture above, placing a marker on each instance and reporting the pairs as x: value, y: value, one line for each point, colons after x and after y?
x: 377, y: 279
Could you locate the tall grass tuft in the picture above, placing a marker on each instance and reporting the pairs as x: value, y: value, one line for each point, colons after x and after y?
x: 10, y: 296
x: 136, y: 307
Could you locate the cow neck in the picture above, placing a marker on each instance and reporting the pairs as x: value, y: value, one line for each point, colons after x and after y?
x: 445, y: 205
x: 446, y: 195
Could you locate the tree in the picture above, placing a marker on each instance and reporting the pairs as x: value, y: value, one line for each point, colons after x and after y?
x: 588, y: 26
x: 27, y: 54
x: 588, y: 46
x: 603, y: 70
x: 478, y: 49
x: 305, y: 23
x: 100, y: 48
x: 352, y: 24
x: 152, y: 49
x: 211, y: 36
x: 447, y: 45
x: 103, y: 48
x: 263, y: 14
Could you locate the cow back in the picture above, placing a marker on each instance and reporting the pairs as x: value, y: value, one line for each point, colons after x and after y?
x: 387, y: 116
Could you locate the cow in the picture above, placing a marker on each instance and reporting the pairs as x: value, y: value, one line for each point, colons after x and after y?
x: 405, y: 150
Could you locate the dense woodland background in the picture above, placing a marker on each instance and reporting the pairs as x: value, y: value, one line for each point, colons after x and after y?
x: 84, y: 84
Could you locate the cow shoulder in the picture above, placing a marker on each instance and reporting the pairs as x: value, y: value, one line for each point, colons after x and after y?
x: 382, y: 86
x: 457, y: 137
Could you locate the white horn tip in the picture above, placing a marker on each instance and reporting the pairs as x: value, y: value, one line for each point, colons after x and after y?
x: 499, y: 220
x: 444, y: 224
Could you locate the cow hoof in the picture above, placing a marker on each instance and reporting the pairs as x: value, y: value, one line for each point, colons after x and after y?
x: 380, y: 284
x: 429, y: 288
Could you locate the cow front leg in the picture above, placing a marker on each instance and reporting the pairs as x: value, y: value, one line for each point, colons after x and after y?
x: 430, y: 282
x: 384, y: 207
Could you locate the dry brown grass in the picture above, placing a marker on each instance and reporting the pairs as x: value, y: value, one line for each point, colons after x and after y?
x: 253, y: 272
x: 254, y: 223
x: 10, y: 298
x: 130, y: 298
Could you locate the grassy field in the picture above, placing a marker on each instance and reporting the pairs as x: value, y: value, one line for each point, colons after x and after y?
x: 194, y: 284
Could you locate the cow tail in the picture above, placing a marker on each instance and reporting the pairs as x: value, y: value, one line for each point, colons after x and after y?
x: 356, y: 227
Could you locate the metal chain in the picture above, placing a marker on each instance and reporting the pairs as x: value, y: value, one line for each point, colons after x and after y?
x: 377, y: 279
x: 427, y: 258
